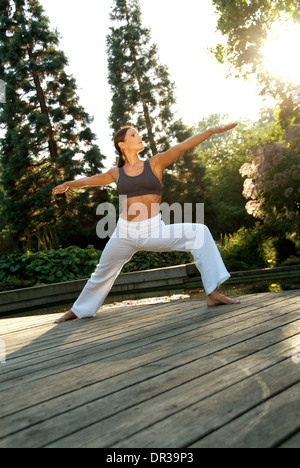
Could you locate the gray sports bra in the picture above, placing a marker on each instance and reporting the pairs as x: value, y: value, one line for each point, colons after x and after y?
x: 144, y: 184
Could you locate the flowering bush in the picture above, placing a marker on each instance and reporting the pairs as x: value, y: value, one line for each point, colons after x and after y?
x: 272, y: 185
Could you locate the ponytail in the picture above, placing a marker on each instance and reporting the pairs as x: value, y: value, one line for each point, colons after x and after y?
x: 121, y: 161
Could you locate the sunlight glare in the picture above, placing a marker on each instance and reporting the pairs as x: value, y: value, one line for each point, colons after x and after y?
x: 281, y: 52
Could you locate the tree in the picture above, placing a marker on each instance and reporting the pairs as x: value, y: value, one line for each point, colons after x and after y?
x: 143, y: 94
x: 47, y: 135
x: 246, y: 25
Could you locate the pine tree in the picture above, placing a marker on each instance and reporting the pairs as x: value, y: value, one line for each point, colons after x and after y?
x: 47, y: 135
x: 143, y: 94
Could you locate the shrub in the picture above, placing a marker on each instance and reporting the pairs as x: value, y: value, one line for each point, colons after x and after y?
x: 247, y: 249
x: 272, y: 183
x: 151, y: 260
x: 72, y: 263
x: 53, y: 266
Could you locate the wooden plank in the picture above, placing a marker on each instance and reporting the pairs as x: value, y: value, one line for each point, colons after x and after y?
x: 163, y: 379
x: 160, y: 363
x: 86, y: 355
x: 70, y: 331
x: 129, y: 285
x: 292, y: 441
x: 108, y: 319
x: 192, y: 270
x: 136, y: 370
x: 52, y: 387
x: 195, y: 407
x: 150, y: 338
x: 66, y: 293
x: 261, y: 427
x: 201, y: 418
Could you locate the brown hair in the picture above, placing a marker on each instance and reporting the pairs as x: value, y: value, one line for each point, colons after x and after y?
x: 120, y: 137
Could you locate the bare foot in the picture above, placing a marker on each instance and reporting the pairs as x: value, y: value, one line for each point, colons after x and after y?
x: 216, y: 299
x: 68, y: 316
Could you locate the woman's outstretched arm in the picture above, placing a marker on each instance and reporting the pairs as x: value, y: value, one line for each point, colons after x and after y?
x: 165, y: 159
x: 95, y: 181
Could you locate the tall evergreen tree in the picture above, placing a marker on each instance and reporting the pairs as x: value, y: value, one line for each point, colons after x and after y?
x: 143, y: 93
x: 47, y: 139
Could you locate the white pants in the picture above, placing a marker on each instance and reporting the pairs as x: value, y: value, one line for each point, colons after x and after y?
x: 150, y: 235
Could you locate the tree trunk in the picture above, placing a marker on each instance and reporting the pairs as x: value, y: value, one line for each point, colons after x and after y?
x: 42, y: 100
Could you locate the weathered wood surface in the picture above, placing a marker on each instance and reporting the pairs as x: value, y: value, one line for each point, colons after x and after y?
x: 165, y: 375
x: 129, y: 286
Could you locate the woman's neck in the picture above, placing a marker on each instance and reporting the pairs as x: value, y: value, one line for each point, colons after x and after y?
x: 132, y: 159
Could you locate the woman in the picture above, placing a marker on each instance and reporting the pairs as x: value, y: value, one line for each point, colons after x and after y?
x: 139, y: 184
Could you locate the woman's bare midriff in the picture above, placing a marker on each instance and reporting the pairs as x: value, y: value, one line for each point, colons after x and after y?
x: 138, y: 209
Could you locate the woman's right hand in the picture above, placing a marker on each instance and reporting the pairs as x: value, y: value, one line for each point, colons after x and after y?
x: 60, y: 189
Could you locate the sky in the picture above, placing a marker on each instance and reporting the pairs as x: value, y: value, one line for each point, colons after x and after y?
x: 183, y: 31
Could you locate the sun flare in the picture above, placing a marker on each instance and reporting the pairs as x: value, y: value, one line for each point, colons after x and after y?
x: 281, y: 52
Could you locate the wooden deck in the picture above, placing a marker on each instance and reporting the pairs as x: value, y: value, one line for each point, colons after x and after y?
x: 166, y: 375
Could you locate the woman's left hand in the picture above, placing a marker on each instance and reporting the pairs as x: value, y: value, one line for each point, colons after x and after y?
x: 224, y: 129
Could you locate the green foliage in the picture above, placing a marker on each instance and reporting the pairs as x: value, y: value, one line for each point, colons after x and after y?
x: 272, y: 183
x: 222, y: 156
x: 47, y: 136
x: 246, y: 25
x: 248, y: 249
x: 244, y: 250
x: 53, y: 266
x: 152, y: 260
x: 72, y: 263
x: 251, y: 249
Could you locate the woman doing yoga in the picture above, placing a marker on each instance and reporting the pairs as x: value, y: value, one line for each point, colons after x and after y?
x: 140, y: 186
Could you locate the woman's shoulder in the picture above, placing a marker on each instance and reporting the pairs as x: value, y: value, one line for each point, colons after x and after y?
x: 154, y: 164
x: 114, y: 172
